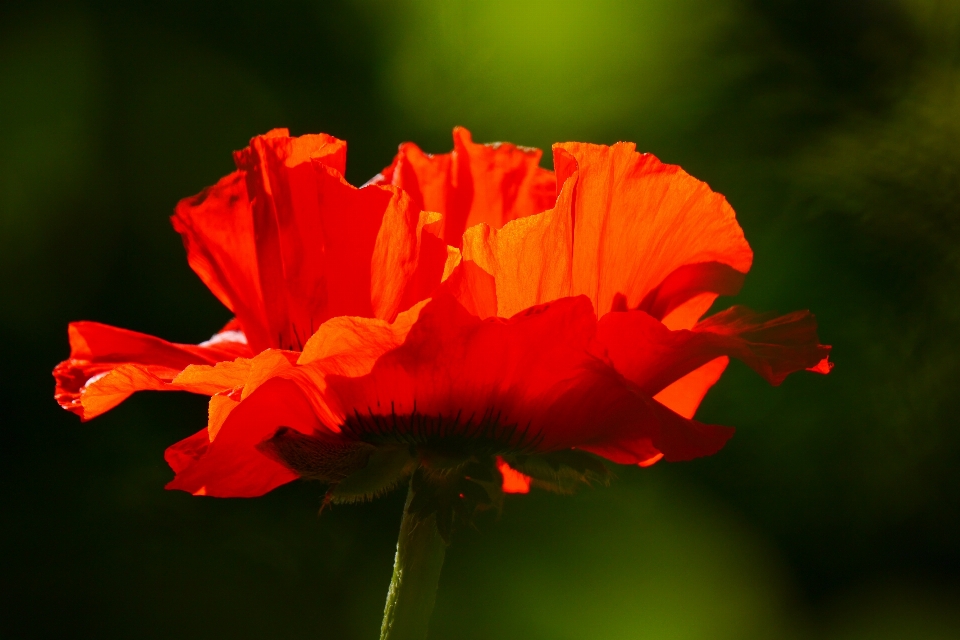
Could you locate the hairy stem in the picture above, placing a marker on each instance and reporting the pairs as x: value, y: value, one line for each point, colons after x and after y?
x: 416, y: 572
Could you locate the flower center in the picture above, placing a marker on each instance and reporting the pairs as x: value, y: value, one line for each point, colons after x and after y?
x: 455, y: 436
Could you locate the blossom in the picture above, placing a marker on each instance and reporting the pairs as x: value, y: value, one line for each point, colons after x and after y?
x: 470, y: 319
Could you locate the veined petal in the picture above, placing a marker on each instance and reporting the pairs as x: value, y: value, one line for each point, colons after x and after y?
x: 526, y: 382
x: 528, y: 260
x: 654, y: 357
x: 108, y: 364
x: 637, y: 220
x: 231, y: 465
x: 242, y: 374
x: 489, y: 183
x: 627, y: 231
x: 287, y: 243
x: 217, y: 231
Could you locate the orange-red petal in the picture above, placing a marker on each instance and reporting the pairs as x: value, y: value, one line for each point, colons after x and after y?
x: 287, y: 243
x: 685, y: 395
x: 532, y: 376
x: 637, y: 220
x: 490, y: 183
x: 216, y: 226
x: 513, y: 480
x: 108, y: 364
x: 627, y: 231
x: 231, y: 465
x: 654, y: 357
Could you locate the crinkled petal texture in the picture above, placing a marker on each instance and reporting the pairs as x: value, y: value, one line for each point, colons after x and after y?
x: 566, y: 315
x: 285, y: 243
x: 627, y: 231
x: 550, y: 378
x: 108, y: 364
x: 576, y: 327
x: 489, y: 183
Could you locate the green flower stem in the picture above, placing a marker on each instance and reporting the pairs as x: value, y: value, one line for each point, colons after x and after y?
x: 416, y: 572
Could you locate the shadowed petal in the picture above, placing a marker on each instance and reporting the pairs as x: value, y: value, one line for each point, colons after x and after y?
x: 231, y: 465
x: 653, y: 357
x: 531, y: 379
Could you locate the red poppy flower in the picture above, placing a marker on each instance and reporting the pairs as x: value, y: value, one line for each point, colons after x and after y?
x: 563, y: 325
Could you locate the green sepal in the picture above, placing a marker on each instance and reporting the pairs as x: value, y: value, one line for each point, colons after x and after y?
x: 561, y: 471
x: 316, y: 456
x: 455, y: 493
x: 386, y: 467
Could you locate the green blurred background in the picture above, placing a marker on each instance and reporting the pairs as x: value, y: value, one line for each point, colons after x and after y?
x: 832, y: 126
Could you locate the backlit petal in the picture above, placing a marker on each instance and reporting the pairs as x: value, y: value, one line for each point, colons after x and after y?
x: 637, y: 220
x: 532, y: 375
x: 231, y: 465
x: 653, y: 357
x: 217, y: 231
x: 513, y: 480
x: 685, y: 395
x: 287, y: 243
x: 490, y: 183
x: 108, y: 364
x: 627, y: 231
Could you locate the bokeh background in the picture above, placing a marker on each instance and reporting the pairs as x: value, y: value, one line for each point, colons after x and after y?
x: 832, y: 126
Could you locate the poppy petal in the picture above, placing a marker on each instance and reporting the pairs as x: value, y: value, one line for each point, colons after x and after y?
x: 657, y: 433
x: 530, y: 378
x: 243, y: 373
x: 627, y: 231
x: 652, y: 356
x: 354, y: 344
x: 217, y: 231
x: 688, y: 292
x: 108, y: 364
x: 685, y: 395
x: 287, y: 243
x: 528, y: 259
x: 637, y: 220
x: 231, y: 465
x: 490, y: 183
x: 513, y: 480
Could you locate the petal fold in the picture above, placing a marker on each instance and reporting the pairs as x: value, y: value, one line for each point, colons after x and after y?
x: 287, y: 243
x: 532, y: 377
x: 231, y: 465
x: 108, y: 364
x: 489, y: 183
x: 653, y: 357
x: 627, y: 231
